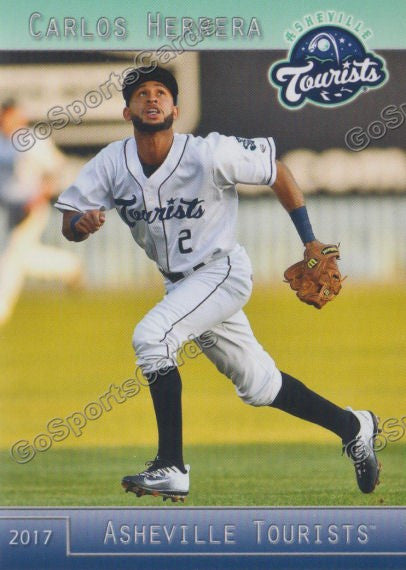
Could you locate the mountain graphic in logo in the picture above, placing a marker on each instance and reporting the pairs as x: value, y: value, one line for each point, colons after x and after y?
x: 327, y: 66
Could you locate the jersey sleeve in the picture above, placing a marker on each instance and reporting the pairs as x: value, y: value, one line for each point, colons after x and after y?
x: 92, y: 189
x: 245, y: 161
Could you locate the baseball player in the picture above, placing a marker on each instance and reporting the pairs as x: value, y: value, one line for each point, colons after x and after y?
x: 176, y: 193
x: 28, y: 180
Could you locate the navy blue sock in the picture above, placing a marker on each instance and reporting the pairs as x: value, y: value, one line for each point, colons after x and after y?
x: 166, y: 391
x: 298, y: 400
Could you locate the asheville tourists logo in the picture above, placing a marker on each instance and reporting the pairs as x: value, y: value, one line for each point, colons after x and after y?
x: 327, y: 66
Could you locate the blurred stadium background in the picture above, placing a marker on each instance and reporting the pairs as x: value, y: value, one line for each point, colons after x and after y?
x: 356, y: 198
x: 62, y: 350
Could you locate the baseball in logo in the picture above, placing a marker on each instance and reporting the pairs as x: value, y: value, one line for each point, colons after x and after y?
x: 327, y: 66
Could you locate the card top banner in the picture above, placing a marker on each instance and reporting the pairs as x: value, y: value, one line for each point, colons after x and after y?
x: 212, y: 25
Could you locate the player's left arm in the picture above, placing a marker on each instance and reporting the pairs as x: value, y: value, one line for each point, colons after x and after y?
x: 316, y: 279
x: 286, y: 188
x: 291, y: 197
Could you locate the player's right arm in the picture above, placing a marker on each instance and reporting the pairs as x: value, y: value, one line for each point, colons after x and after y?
x: 85, y: 202
x: 77, y: 227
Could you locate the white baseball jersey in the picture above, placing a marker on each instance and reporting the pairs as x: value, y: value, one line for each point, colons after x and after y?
x: 186, y: 211
x: 184, y: 214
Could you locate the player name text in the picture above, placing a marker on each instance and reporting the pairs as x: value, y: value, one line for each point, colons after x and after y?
x: 41, y: 27
x: 159, y: 26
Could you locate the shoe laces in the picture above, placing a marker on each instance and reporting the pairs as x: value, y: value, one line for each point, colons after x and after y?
x: 157, y: 468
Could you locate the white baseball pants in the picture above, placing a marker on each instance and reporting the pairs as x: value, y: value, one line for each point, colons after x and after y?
x: 211, y: 299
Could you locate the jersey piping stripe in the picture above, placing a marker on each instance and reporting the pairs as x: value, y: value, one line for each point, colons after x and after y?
x: 142, y: 189
x: 126, y: 164
x: 69, y: 205
x: 160, y: 203
x: 201, y: 302
x: 271, y: 159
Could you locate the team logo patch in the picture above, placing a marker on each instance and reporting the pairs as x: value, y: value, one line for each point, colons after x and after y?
x: 327, y: 66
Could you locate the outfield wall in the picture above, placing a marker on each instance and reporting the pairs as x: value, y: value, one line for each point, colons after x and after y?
x: 371, y: 230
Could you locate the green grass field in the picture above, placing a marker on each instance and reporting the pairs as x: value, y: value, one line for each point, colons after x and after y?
x: 62, y: 351
x: 256, y: 474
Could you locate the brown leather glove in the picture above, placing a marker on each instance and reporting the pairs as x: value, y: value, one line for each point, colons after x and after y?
x: 317, y: 278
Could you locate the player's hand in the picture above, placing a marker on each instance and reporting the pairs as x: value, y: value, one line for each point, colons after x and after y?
x: 90, y: 222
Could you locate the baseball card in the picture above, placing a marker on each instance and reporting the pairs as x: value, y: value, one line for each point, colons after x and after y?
x: 202, y: 285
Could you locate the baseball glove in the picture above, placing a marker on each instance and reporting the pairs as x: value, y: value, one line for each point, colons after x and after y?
x: 317, y: 278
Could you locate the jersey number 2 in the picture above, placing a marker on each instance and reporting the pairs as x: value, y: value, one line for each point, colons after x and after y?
x: 184, y: 235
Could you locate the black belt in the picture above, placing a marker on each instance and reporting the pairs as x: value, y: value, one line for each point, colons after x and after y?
x: 177, y: 276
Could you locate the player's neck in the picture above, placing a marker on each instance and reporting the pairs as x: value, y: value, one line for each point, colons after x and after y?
x: 153, y: 148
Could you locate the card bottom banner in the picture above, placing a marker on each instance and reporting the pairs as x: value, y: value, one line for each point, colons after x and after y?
x: 200, y: 538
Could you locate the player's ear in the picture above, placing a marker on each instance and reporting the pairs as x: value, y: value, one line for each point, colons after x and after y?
x: 175, y: 112
x: 127, y: 113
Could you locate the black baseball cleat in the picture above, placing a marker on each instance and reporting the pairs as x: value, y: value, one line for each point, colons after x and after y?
x: 159, y: 480
x: 362, y: 453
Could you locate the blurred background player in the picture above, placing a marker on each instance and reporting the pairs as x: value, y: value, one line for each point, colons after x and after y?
x: 28, y: 181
